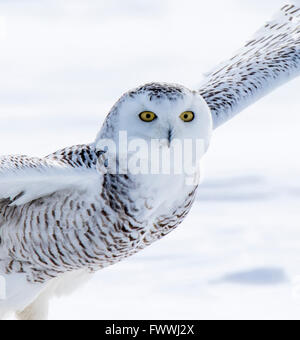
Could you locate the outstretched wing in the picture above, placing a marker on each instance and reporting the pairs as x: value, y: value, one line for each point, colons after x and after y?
x: 267, y: 61
x: 24, y: 179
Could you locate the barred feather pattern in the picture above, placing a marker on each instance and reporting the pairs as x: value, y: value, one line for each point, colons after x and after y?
x: 71, y: 230
x: 267, y: 61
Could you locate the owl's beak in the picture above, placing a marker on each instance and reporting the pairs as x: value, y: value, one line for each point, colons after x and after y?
x: 170, y: 137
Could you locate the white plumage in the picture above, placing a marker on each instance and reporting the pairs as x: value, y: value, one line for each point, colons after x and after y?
x: 24, y: 179
x: 62, y: 217
x: 265, y: 62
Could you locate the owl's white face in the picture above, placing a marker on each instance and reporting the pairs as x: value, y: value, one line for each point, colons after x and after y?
x: 160, y: 112
x: 182, y: 118
x: 168, y: 103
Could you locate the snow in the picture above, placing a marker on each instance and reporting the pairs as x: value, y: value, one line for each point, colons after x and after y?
x: 237, y: 256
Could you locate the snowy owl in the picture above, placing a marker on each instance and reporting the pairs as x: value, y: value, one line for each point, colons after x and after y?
x: 69, y: 214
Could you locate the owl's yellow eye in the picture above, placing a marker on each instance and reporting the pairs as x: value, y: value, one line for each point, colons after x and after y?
x: 148, y: 116
x: 187, y: 116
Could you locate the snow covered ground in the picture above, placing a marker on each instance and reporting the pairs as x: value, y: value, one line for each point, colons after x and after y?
x: 64, y: 63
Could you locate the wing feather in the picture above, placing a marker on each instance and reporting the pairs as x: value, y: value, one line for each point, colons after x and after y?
x: 267, y: 61
x: 24, y: 179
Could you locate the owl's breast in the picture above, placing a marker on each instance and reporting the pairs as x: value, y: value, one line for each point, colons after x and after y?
x: 70, y: 230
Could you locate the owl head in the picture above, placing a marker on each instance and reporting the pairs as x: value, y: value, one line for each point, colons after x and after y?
x: 161, y: 112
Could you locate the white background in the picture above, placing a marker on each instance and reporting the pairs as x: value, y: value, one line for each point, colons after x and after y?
x: 64, y: 63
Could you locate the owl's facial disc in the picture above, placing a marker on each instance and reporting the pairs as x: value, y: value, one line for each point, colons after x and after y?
x: 164, y: 112
x: 159, y: 114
